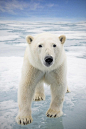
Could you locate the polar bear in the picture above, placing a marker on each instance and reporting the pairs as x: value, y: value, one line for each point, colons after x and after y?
x: 44, y: 62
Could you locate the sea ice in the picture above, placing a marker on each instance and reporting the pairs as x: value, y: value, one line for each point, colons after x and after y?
x: 12, y: 47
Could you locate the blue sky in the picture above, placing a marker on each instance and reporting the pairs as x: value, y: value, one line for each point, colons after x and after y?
x: 42, y: 9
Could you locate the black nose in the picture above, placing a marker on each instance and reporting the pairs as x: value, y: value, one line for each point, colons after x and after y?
x: 48, y: 60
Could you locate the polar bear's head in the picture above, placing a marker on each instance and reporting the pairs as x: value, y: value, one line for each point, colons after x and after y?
x: 45, y: 51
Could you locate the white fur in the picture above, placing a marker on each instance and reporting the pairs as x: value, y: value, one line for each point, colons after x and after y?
x: 34, y: 73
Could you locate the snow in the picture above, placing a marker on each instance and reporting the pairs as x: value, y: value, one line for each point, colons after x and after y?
x: 12, y: 47
x: 9, y: 37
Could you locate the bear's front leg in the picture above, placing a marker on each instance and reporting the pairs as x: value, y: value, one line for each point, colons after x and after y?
x: 58, y: 85
x: 57, y: 94
x: 29, y: 79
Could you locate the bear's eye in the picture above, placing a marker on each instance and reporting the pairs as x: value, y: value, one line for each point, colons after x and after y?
x: 54, y: 45
x: 40, y: 45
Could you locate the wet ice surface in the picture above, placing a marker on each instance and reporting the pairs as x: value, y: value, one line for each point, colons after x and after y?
x: 12, y: 47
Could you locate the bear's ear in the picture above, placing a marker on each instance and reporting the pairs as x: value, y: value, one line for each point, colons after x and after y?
x: 29, y: 39
x: 62, y: 38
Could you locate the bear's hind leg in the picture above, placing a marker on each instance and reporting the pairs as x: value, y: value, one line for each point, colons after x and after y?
x: 39, y: 92
x: 68, y: 91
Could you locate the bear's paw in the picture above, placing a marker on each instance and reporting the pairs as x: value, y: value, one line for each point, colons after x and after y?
x: 24, y: 120
x: 53, y: 113
x: 39, y: 97
x: 68, y: 91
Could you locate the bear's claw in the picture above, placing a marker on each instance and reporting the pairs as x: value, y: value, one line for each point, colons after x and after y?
x: 24, y: 121
x: 50, y: 115
x: 68, y: 91
x: 53, y: 113
x: 55, y: 116
x: 39, y: 97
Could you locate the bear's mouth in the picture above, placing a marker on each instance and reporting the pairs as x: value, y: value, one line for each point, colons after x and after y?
x: 48, y: 61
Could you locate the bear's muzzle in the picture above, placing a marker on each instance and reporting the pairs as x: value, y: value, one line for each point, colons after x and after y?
x: 48, y: 61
